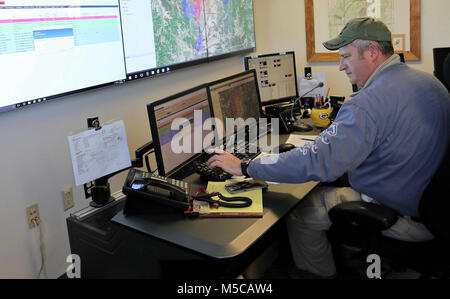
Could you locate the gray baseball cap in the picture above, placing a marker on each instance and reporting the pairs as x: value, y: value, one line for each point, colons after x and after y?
x: 360, y: 28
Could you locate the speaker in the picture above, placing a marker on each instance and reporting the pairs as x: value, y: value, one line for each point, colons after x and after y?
x: 308, y: 73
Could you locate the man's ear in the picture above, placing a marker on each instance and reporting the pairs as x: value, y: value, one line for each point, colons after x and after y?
x: 374, y: 52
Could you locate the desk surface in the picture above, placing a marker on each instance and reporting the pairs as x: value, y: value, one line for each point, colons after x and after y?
x: 219, y: 237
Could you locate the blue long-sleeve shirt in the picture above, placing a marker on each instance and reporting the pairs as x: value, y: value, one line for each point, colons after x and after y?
x: 390, y: 139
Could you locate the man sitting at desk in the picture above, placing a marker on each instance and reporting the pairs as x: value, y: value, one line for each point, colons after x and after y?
x: 389, y: 138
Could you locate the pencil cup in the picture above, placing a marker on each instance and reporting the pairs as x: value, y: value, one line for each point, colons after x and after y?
x: 321, y: 116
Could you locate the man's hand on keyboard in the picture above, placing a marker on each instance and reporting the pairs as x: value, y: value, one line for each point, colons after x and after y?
x: 226, y: 161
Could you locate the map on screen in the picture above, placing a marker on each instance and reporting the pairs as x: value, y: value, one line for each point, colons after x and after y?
x: 61, y: 47
x: 187, y: 30
x: 230, y: 26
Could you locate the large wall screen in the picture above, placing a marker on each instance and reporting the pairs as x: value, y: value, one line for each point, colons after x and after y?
x: 161, y: 36
x: 51, y: 48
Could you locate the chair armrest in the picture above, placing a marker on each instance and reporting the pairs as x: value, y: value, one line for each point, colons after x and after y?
x: 365, y: 215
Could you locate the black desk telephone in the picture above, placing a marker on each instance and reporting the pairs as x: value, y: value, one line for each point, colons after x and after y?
x: 146, y: 191
x: 153, y: 194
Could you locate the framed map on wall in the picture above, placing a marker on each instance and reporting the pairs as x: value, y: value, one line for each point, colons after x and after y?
x: 326, y: 18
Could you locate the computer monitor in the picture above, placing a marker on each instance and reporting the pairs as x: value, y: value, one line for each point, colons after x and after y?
x: 163, y: 36
x: 235, y: 97
x: 277, y: 76
x: 50, y: 49
x: 439, y: 56
x: 178, y: 128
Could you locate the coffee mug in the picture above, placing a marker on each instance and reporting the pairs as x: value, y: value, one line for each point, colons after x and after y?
x: 321, y: 116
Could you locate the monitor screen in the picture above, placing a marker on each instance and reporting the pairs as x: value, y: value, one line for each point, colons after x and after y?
x: 230, y: 26
x: 277, y: 77
x: 179, y: 128
x: 161, y: 36
x: 50, y: 48
x: 235, y: 97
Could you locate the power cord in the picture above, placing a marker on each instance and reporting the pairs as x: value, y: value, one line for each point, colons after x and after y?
x: 37, y: 222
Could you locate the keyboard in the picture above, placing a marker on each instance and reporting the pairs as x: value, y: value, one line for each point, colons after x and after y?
x: 216, y: 173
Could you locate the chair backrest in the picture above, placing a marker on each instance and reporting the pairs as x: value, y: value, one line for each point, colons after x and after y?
x: 434, y: 207
x: 439, y: 57
x: 447, y: 70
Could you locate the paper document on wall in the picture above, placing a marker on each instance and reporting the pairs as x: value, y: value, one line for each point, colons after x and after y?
x: 305, y: 85
x: 96, y: 153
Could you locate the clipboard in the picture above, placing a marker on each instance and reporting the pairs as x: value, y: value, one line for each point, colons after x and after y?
x: 99, y: 152
x: 253, y: 211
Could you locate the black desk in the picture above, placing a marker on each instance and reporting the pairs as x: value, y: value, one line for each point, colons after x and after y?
x: 112, y: 245
x: 219, y: 238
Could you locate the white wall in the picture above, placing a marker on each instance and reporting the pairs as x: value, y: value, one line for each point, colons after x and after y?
x: 36, y: 165
x: 35, y: 162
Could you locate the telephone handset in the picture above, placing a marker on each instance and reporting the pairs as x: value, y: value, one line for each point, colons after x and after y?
x: 146, y: 191
x: 159, y: 186
x: 288, y: 125
x: 286, y: 122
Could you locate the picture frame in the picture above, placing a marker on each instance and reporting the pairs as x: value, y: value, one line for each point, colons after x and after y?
x: 398, y: 41
x: 413, y: 54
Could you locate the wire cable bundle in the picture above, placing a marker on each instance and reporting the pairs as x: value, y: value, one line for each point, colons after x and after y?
x: 37, y: 222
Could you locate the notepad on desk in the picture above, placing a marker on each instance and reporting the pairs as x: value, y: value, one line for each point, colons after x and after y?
x: 301, y: 140
x: 254, y: 210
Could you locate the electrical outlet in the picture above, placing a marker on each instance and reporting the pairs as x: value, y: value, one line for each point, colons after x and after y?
x: 67, y: 196
x: 33, y: 213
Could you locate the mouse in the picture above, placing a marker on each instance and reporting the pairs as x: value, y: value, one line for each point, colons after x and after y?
x: 300, y: 127
x: 285, y: 147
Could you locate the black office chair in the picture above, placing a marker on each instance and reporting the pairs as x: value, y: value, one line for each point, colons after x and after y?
x: 360, y: 224
x: 447, y: 70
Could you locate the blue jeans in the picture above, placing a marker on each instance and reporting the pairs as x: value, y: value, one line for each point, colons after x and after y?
x: 308, y: 224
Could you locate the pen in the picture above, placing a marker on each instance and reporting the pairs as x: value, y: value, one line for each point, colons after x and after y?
x: 308, y: 139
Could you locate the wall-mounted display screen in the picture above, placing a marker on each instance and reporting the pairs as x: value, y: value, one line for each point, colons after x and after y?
x: 161, y: 36
x: 54, y: 47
